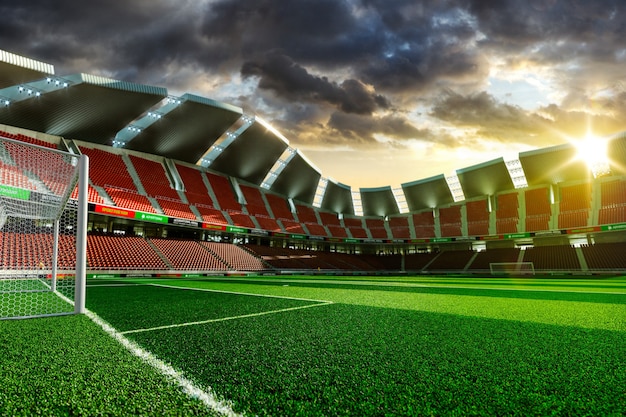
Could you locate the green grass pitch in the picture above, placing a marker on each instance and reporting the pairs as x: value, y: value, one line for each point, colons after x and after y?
x: 366, y: 346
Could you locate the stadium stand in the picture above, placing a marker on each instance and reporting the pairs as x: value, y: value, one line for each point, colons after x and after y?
x: 27, y: 251
x: 450, y: 221
x: 189, y: 255
x: 254, y: 201
x: 424, y: 224
x: 507, y: 213
x: 450, y: 260
x: 280, y: 207
x: 400, y: 227
x: 552, y: 258
x: 605, y: 256
x: 538, y: 210
x: 575, y: 205
x: 377, y: 228
x: 308, y: 219
x: 122, y: 252
x: 355, y: 226
x: 496, y: 255
x: 612, y: 202
x: 223, y: 192
x: 235, y: 257
x: 477, y: 218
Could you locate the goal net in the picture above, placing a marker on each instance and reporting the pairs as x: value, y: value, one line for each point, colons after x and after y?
x: 43, y: 208
x: 512, y: 268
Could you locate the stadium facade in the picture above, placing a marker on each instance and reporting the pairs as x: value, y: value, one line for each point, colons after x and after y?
x: 191, y: 167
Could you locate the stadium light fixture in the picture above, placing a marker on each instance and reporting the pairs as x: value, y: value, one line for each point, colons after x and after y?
x: 320, y: 191
x: 398, y: 194
x: 357, y: 203
x: 516, y: 171
x: 455, y: 187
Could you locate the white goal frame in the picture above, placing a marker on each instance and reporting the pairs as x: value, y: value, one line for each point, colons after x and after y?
x: 512, y: 268
x: 50, y: 207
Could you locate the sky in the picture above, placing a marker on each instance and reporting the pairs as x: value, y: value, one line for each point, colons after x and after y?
x: 373, y: 92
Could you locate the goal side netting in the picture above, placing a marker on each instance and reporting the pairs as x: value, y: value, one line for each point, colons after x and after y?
x: 43, y: 221
x: 512, y: 268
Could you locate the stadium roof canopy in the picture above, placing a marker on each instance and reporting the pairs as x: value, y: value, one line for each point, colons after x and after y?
x: 222, y: 138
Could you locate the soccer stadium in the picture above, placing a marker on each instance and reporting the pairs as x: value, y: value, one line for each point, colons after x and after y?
x: 174, y: 255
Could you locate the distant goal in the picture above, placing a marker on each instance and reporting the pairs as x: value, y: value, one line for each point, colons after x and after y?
x: 512, y: 268
x: 43, y: 222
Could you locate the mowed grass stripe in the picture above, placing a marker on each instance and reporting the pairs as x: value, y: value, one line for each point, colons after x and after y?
x: 403, y: 283
x: 558, y: 312
x: 148, y: 306
x: 530, y: 293
x: 367, y: 361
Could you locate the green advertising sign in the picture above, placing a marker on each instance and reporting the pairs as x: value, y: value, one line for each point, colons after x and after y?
x: 235, y: 229
x: 612, y: 227
x: 516, y: 235
x: 13, y: 192
x: 150, y: 217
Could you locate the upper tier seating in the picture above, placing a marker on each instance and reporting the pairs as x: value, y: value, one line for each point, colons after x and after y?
x: 477, y: 218
x: 223, y: 191
x: 450, y: 221
x: 195, y: 189
x: 400, y: 227
x: 538, y: 210
x: 108, y: 170
x: 254, y: 201
x: 507, y: 213
x: 280, y: 207
x: 355, y: 226
x: 424, y: 224
x: 153, y: 178
x: 377, y: 228
x: 575, y: 206
x: 612, y: 202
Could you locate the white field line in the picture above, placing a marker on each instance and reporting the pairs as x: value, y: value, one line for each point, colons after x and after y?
x: 243, y: 316
x: 241, y: 293
x: 207, y: 397
x: 408, y: 285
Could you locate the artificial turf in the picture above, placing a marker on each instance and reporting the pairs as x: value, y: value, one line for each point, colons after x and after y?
x: 382, y: 346
x: 67, y: 366
x: 365, y: 361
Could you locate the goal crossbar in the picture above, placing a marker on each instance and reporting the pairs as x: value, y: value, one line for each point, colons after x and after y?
x: 512, y: 268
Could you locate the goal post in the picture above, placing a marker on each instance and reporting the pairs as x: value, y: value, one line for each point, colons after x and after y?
x: 512, y: 268
x: 43, y: 228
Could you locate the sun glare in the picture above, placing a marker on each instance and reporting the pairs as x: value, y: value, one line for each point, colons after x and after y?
x: 593, y: 151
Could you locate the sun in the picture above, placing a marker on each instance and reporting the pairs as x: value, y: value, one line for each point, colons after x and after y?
x: 593, y: 151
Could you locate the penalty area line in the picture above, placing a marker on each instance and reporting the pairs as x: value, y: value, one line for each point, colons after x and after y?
x: 207, y: 397
x: 243, y: 316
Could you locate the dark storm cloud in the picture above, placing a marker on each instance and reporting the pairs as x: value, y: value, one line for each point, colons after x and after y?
x: 348, y: 65
x: 358, y: 128
x: 492, y: 119
x: 289, y: 80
